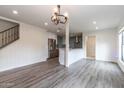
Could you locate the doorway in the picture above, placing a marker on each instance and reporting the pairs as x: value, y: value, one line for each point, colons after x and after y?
x: 91, y: 47
x: 52, y: 50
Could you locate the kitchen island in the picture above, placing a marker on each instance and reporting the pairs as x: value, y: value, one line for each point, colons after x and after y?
x: 73, y: 56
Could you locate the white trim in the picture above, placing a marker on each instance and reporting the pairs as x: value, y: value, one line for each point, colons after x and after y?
x: 122, y: 29
x: 120, y: 62
x: 90, y: 58
x: 4, y: 18
x: 121, y: 65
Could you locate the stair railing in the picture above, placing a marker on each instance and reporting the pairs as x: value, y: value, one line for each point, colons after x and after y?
x: 8, y: 36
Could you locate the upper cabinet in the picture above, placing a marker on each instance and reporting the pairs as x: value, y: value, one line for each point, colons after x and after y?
x: 75, y: 40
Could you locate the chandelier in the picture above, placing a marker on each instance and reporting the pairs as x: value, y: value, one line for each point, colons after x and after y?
x: 57, y: 17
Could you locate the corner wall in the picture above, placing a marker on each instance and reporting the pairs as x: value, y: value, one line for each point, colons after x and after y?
x: 106, y: 44
x: 32, y: 47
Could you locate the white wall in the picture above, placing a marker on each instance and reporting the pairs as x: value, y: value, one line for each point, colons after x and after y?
x: 52, y: 35
x: 75, y: 55
x: 106, y: 44
x: 32, y: 47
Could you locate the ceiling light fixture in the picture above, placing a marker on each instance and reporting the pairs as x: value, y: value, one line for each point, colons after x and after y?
x: 58, y: 30
x: 15, y: 12
x: 97, y: 28
x: 57, y: 17
x: 94, y: 22
x: 46, y: 24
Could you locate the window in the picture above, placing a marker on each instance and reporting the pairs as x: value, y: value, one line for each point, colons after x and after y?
x: 121, y: 45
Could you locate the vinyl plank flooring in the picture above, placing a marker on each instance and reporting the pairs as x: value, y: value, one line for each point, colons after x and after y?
x: 50, y: 74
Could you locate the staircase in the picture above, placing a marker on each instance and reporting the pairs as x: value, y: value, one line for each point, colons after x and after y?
x: 8, y: 36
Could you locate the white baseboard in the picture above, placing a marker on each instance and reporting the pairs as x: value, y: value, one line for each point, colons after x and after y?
x: 121, y: 65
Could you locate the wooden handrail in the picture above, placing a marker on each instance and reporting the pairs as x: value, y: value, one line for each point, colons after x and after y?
x: 9, y: 29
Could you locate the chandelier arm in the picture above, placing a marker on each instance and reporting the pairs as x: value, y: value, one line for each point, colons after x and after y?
x: 55, y: 21
x: 63, y: 22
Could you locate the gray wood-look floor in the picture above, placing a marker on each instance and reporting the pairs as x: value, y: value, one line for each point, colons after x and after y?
x: 83, y: 74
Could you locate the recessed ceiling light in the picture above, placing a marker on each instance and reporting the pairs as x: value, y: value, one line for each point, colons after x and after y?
x: 46, y: 24
x: 15, y: 12
x: 58, y: 30
x: 97, y: 28
x: 94, y: 22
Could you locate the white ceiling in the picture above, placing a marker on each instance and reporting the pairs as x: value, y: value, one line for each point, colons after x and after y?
x: 80, y: 16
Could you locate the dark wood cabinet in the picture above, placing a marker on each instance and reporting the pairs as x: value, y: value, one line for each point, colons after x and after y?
x: 52, y: 50
x: 53, y: 53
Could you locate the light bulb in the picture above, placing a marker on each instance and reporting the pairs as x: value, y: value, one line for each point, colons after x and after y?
x: 66, y: 14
